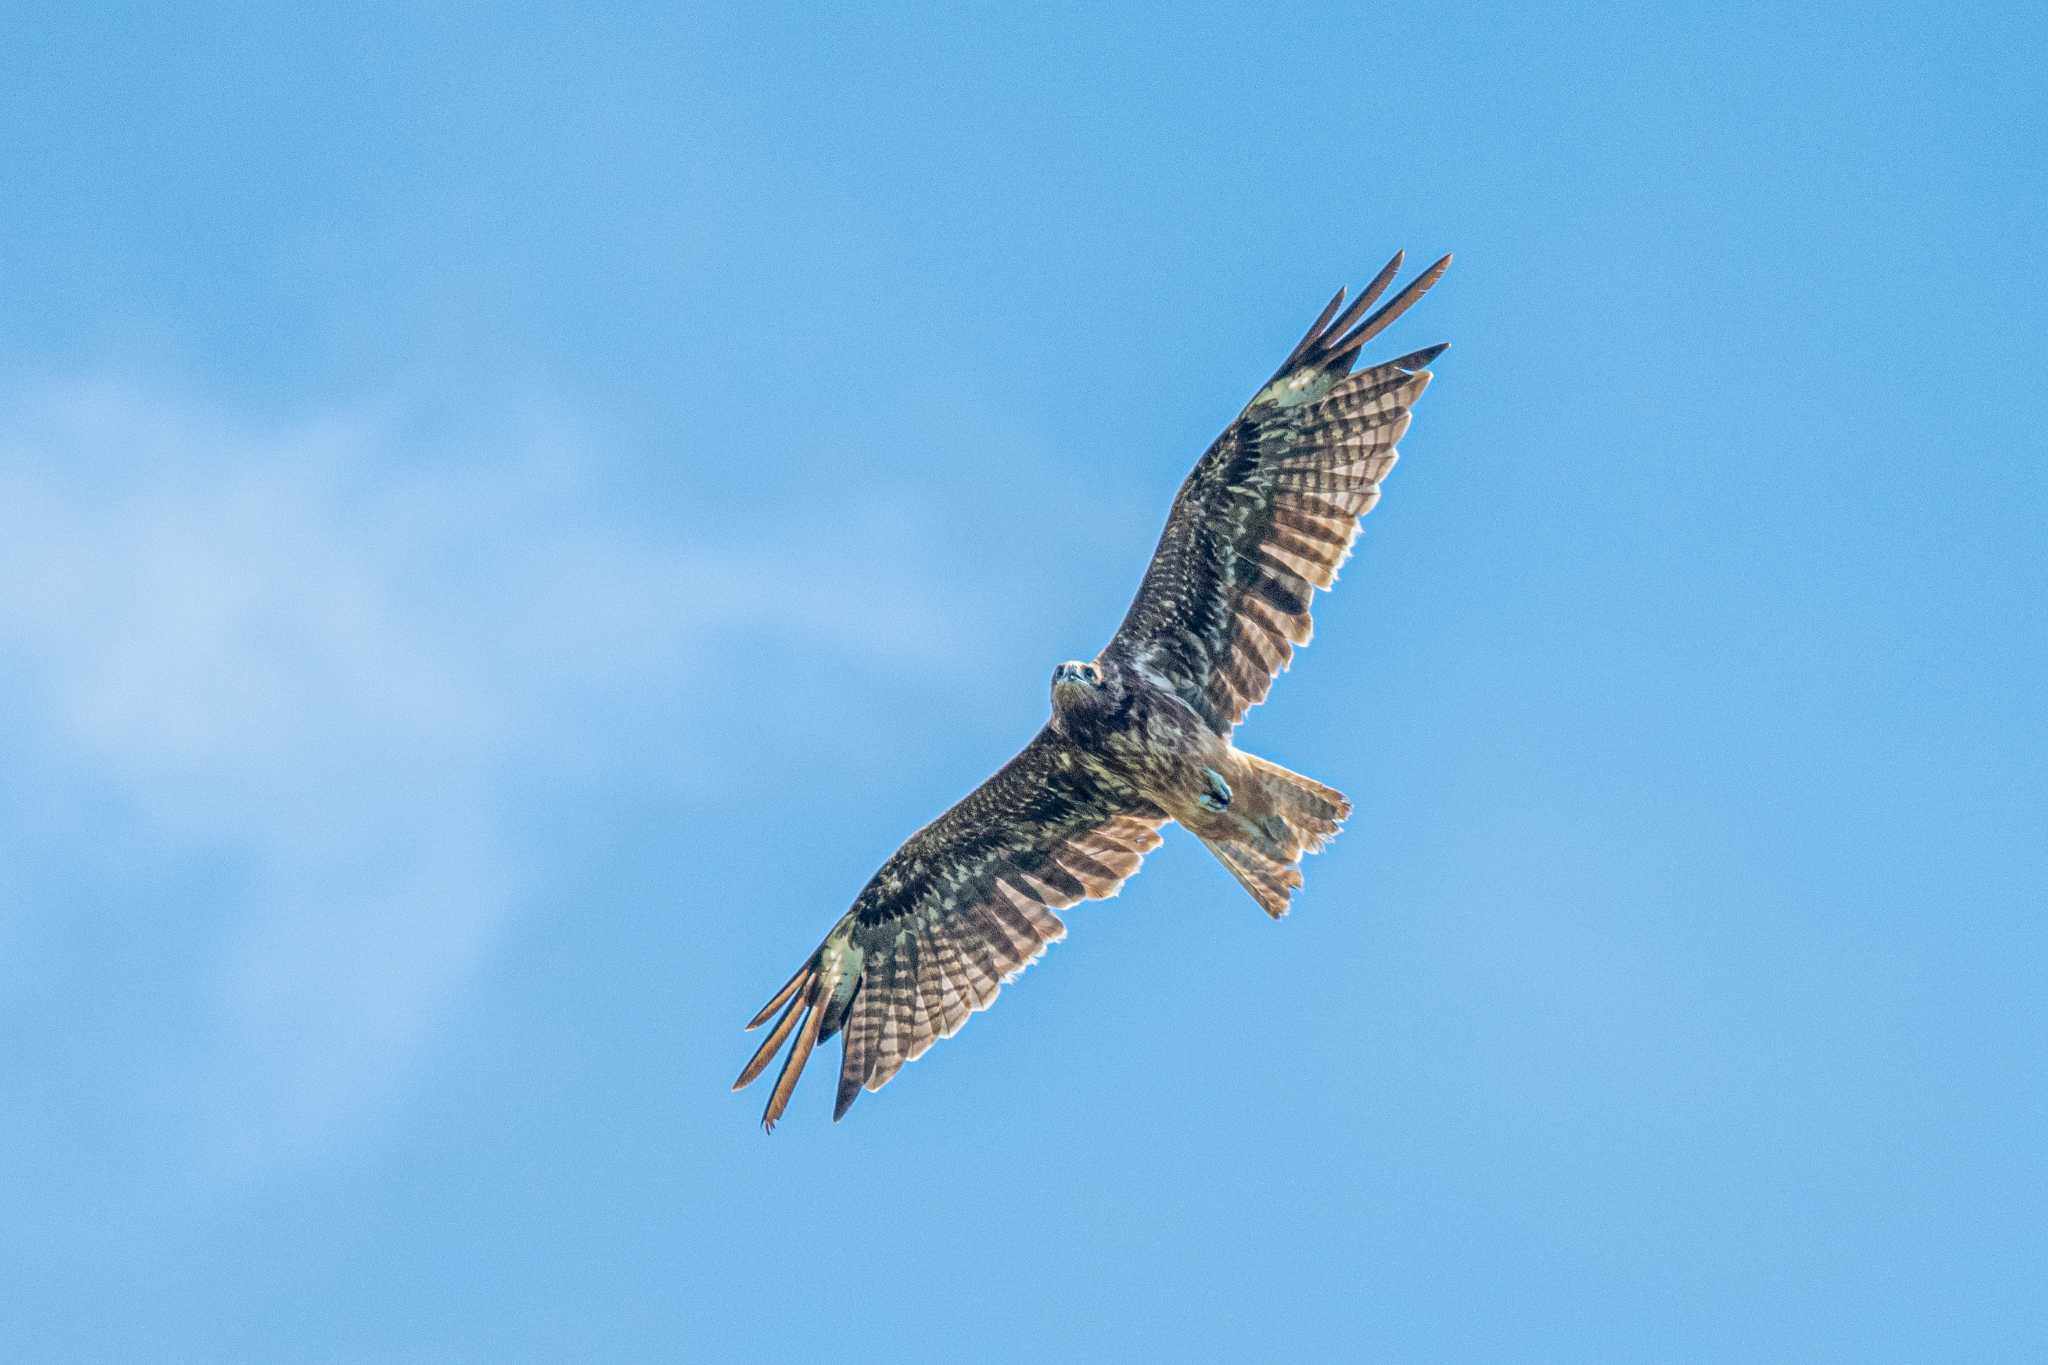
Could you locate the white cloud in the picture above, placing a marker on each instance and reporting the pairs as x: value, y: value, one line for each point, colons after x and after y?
x: 313, y: 648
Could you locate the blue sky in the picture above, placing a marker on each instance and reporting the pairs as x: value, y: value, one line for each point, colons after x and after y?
x: 506, y: 519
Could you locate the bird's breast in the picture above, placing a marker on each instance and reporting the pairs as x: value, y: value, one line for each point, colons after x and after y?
x: 1154, y: 743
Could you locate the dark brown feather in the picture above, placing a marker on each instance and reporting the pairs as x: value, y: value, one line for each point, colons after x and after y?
x: 1365, y: 298
x: 1343, y: 350
x: 1314, y: 332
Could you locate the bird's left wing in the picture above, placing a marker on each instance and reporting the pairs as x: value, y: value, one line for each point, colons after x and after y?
x: 963, y: 906
x: 1270, y: 511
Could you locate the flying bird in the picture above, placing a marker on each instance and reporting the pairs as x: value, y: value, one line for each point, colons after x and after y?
x: 1140, y: 735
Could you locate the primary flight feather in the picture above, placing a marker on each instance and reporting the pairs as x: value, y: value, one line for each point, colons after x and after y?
x: 1139, y: 735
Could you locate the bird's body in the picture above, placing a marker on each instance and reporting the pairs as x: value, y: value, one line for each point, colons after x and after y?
x: 1147, y: 746
x: 1142, y: 740
x: 1140, y: 736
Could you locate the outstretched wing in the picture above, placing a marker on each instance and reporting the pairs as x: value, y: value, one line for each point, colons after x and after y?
x: 963, y: 906
x: 1270, y: 511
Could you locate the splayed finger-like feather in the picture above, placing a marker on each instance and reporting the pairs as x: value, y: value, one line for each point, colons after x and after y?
x: 789, y: 988
x: 1314, y: 332
x: 1365, y: 298
x: 769, y: 1046
x: 799, y: 1054
x: 1347, y: 346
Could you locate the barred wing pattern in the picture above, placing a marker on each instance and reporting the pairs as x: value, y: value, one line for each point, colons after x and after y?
x: 965, y: 904
x: 1270, y: 511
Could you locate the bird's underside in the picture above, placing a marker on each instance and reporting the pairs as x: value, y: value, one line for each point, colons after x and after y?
x: 1140, y: 735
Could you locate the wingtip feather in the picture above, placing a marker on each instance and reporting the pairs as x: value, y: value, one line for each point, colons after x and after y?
x: 1377, y: 287
x: 789, y: 988
x: 1353, y: 341
x: 793, y: 1066
x: 1372, y: 290
x: 1415, y: 361
x: 1316, y: 331
x: 769, y: 1046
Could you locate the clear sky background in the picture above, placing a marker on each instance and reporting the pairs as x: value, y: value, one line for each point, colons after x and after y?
x: 506, y: 519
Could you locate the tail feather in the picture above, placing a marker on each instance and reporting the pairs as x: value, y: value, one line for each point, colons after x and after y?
x: 1270, y: 883
x: 1275, y: 818
x: 1313, y: 812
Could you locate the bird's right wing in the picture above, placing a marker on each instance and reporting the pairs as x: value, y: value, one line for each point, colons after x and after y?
x: 963, y: 906
x: 1270, y: 511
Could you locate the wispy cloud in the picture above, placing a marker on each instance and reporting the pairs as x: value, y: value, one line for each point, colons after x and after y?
x: 315, y: 648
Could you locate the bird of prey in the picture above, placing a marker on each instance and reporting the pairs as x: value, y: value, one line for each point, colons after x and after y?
x: 1140, y: 735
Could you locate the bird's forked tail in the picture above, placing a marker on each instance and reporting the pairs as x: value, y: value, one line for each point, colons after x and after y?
x: 1273, y: 818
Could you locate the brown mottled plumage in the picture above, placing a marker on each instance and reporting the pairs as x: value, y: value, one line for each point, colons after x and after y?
x: 1140, y: 735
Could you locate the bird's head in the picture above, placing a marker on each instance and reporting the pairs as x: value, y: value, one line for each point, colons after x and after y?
x: 1076, y: 684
